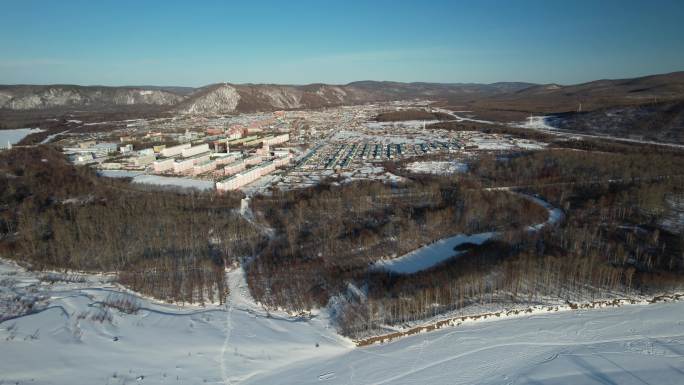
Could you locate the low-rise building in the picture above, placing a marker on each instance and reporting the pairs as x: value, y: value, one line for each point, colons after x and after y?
x: 143, y: 160
x: 163, y: 164
x: 146, y: 151
x: 182, y: 165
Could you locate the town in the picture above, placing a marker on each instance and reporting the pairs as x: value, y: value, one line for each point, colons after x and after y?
x: 284, y: 149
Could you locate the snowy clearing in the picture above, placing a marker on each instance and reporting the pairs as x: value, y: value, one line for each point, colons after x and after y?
x: 68, y: 336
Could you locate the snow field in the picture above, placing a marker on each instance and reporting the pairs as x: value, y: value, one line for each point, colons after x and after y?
x: 71, y: 338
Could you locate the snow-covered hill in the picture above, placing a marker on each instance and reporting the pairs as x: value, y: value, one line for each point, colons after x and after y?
x: 59, y: 329
x: 67, y: 96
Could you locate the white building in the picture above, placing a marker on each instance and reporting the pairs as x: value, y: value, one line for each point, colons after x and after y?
x: 253, y: 160
x: 273, y: 140
x: 143, y: 160
x: 238, y: 180
x: 185, y: 165
x: 175, y: 150
x: 194, y: 150
x: 234, y: 167
x: 201, y: 168
x: 126, y: 149
x: 146, y: 151
x: 163, y: 164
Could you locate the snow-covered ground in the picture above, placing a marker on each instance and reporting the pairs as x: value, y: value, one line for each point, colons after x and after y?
x: 555, y: 214
x: 537, y: 123
x: 430, y: 255
x: 15, y: 136
x: 545, y: 124
x: 49, y: 138
x: 674, y: 217
x: 159, y: 180
x: 69, y: 337
x: 437, y: 167
x: 410, y: 124
x: 641, y: 344
x: 174, y: 181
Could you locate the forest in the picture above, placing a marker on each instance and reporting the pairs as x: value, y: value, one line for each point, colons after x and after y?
x: 173, y: 246
x: 318, y: 246
x: 612, y: 241
x: 412, y: 114
x: 329, y: 235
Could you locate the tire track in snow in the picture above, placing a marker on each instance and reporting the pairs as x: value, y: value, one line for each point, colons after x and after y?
x: 228, y: 330
x: 484, y: 348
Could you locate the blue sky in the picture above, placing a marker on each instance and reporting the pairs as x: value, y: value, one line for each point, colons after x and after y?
x: 194, y: 43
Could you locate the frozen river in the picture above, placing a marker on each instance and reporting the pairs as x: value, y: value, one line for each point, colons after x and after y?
x: 15, y: 136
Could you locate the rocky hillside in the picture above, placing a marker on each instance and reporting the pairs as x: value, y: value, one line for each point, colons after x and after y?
x: 77, y: 97
x: 653, y: 121
x: 553, y: 98
x: 232, y: 98
x: 226, y: 98
x: 229, y: 98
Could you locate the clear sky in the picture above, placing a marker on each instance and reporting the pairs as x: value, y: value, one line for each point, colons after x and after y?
x: 194, y: 43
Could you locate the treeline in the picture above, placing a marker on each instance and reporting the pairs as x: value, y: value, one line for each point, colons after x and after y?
x: 403, y: 115
x: 524, y: 133
x: 329, y: 235
x: 170, y: 245
x: 577, y: 167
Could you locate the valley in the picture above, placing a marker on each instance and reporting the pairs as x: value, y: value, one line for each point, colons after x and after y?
x: 356, y: 239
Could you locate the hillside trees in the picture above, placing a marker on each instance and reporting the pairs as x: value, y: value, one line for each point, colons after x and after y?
x: 170, y: 245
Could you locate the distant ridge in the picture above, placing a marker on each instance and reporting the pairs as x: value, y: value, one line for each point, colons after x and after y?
x: 227, y: 98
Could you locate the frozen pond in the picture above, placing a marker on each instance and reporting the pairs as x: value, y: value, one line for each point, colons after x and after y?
x: 435, y: 253
x: 432, y: 254
x: 15, y: 136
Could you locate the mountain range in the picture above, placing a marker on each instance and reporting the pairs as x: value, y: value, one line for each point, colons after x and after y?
x: 226, y: 98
